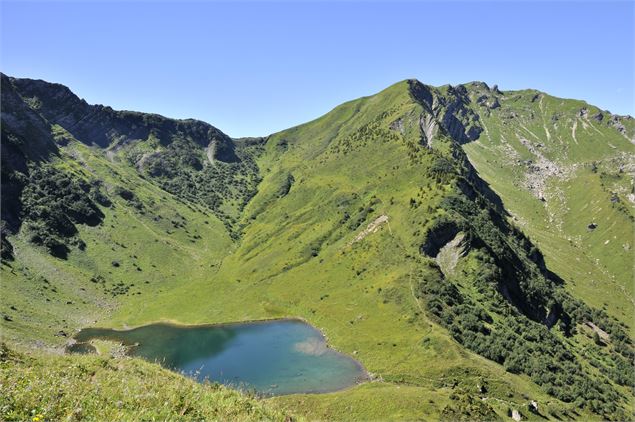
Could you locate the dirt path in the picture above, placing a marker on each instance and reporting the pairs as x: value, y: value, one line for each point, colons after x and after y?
x: 544, y: 123
x: 573, y: 129
x: 530, y: 132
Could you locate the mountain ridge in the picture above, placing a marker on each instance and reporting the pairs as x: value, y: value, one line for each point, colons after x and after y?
x: 289, y: 209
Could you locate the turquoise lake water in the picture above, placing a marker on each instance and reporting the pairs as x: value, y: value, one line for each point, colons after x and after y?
x: 271, y: 357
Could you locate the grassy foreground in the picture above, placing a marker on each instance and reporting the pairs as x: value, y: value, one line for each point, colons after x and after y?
x: 41, y: 387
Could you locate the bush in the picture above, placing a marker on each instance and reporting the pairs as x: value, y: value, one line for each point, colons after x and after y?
x: 53, y: 203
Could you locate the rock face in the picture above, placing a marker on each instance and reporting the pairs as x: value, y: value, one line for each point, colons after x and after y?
x: 617, y: 124
x: 429, y: 128
x: 101, y: 125
x: 448, y: 257
x: 533, y: 406
x: 494, y: 104
x: 448, y: 110
x: 26, y: 137
x: 438, y: 236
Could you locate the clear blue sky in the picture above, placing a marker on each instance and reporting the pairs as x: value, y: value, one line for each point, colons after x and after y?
x: 253, y: 68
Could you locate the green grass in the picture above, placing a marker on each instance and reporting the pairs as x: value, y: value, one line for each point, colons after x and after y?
x: 44, y: 387
x: 592, y: 263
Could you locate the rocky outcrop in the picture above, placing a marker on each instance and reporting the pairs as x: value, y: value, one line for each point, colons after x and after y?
x: 450, y: 110
x: 26, y: 137
x: 428, y: 126
x: 617, y: 124
x: 451, y: 252
x: 102, y: 126
x: 397, y: 125
x: 438, y: 236
x: 488, y: 101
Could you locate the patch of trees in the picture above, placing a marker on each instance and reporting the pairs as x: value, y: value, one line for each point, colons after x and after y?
x: 441, y: 169
x: 516, y: 313
x: 359, y: 217
x: 465, y: 407
x: 130, y: 197
x: 368, y: 133
x: 54, y: 202
x: 221, y: 186
x: 6, y: 248
x: 521, y: 345
x: 524, y: 280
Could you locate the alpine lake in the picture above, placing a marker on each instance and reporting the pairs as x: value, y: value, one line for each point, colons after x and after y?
x: 269, y: 357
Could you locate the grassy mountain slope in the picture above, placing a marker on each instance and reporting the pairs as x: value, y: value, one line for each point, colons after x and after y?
x: 368, y: 222
x: 561, y: 166
x: 42, y: 387
x: 296, y: 259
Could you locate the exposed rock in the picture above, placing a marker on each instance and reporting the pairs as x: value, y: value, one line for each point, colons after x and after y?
x: 494, y: 104
x: 371, y: 228
x: 460, y: 122
x: 617, y: 124
x: 397, y: 125
x: 428, y: 128
x: 533, y: 406
x: 450, y: 111
x: 539, y: 171
x: 103, y: 126
x: 600, y: 332
x: 481, y: 85
x: 438, y: 236
x: 451, y: 252
x: 556, y: 313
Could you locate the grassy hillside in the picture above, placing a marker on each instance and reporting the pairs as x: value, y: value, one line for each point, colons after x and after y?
x: 144, y: 246
x: 371, y: 224
x: 41, y: 387
x: 561, y: 166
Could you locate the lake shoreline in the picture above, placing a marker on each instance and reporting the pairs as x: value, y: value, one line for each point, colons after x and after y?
x: 362, y: 379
